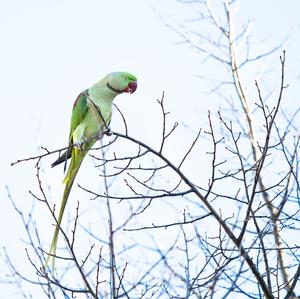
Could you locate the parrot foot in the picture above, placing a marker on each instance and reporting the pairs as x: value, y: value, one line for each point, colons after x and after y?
x: 80, y: 144
x: 108, y: 132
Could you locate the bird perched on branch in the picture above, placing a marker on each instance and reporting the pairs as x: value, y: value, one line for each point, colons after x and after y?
x: 90, y: 120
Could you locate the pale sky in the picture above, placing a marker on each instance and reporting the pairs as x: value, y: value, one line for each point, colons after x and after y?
x: 52, y: 50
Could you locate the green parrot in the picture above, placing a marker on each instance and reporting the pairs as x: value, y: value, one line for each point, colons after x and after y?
x: 90, y: 120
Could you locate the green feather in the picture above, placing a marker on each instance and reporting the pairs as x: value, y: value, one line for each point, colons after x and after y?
x: 91, y: 115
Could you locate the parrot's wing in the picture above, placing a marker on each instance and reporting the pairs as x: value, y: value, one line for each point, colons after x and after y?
x: 79, y: 110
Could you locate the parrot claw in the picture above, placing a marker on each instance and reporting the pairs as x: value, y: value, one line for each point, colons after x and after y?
x: 108, y: 132
x: 80, y: 144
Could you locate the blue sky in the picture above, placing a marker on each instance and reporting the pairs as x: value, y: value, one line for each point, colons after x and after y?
x: 52, y: 50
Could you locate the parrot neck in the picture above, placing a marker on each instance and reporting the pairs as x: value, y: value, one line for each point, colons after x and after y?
x: 113, y: 89
x: 100, y: 91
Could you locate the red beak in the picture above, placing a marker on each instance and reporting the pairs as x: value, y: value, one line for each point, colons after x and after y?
x: 131, y: 88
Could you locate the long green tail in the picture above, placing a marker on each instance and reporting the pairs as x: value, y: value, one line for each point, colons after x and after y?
x: 76, y: 160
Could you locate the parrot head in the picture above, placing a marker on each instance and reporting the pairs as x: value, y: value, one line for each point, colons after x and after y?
x: 120, y: 82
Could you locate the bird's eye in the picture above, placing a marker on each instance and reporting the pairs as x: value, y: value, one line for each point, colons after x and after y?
x: 125, y: 77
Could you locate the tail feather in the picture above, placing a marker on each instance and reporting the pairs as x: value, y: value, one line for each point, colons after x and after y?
x: 77, y: 158
x: 63, y: 158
